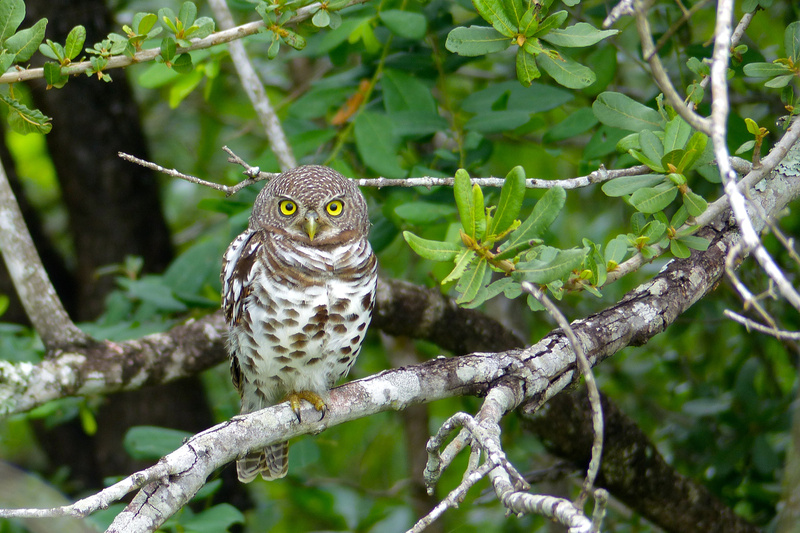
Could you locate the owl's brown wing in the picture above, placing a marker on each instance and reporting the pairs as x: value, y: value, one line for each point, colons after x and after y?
x: 236, y: 275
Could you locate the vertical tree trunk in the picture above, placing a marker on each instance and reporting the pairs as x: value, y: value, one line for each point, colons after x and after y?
x: 113, y: 206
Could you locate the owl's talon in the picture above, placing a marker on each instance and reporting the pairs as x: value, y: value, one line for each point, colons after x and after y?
x: 313, y: 398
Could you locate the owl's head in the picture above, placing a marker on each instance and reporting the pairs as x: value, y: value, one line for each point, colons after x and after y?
x: 312, y: 204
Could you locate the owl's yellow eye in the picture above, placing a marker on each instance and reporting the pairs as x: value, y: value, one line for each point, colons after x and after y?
x: 334, y: 208
x: 287, y: 207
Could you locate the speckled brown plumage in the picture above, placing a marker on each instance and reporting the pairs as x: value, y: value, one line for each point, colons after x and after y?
x: 298, y: 288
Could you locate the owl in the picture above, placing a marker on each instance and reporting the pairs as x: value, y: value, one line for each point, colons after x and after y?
x: 298, y: 289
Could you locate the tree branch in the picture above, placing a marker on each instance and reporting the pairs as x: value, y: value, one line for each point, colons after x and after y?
x: 33, y: 286
x: 121, y: 61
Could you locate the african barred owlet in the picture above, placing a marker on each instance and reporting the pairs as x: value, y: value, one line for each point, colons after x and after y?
x: 298, y: 288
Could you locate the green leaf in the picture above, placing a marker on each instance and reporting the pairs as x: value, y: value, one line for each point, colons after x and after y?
x: 168, y: 48
x: 476, y: 41
x: 404, y: 23
x: 765, y: 70
x: 510, y: 203
x: 148, y: 443
x: 527, y: 71
x: 630, y: 184
x: 638, y: 220
x: 643, y: 159
x: 53, y: 75
x: 694, y: 203
x: 673, y: 158
x: 75, y: 40
x: 617, y: 249
x: 679, y: 249
x: 24, y: 120
x: 205, y: 27
x: 186, y: 84
x: 12, y: 13
x: 553, y: 21
x: 213, y: 520
x: 472, y: 281
x: 52, y: 50
x: 462, y: 189
x: 653, y: 199
x: 652, y: 148
x: 294, y: 39
x: 478, y: 212
x: 511, y: 96
x: 695, y: 243
x: 654, y: 231
x: 187, y: 14
x: 576, y: 123
x: 577, y: 35
x: 377, y: 144
x: 544, y: 213
x: 416, y: 123
x: 404, y: 92
x: 566, y: 72
x: 780, y: 82
x: 463, y: 260
x: 544, y: 271
x: 620, y: 111
x: 791, y: 41
x: 516, y: 11
x: 182, y: 64
x: 24, y: 43
x: 144, y: 22
x: 321, y: 18
x: 495, y: 14
x: 676, y: 134
x: 433, y: 250
x: 420, y: 213
x: 694, y: 149
x: 497, y: 121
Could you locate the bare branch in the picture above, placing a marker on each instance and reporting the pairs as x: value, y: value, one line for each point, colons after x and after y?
x: 719, y: 115
x: 768, y: 330
x: 591, y: 387
x: 31, y: 281
x: 254, y: 175
x: 660, y: 76
x: 255, y: 90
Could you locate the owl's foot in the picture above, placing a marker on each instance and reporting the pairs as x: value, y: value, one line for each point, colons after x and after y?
x: 311, y: 397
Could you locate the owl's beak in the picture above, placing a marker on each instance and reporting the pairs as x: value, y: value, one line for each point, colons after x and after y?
x: 310, y: 224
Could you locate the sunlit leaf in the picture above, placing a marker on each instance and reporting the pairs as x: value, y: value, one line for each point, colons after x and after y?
x: 476, y: 41
x: 577, y: 35
x: 433, y: 250
x: 510, y: 203
x: 544, y: 271
x: 653, y: 199
x: 543, y: 214
x: 621, y: 111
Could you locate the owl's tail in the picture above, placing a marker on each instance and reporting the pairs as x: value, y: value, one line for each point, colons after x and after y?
x: 272, y: 463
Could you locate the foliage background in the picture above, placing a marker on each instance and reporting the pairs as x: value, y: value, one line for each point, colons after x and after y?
x: 715, y: 399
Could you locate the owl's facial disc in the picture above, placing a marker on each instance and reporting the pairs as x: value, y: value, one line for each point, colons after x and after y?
x: 310, y: 224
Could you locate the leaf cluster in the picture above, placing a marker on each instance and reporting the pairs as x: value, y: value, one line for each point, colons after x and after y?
x: 665, y: 143
x: 527, y: 24
x: 493, y: 240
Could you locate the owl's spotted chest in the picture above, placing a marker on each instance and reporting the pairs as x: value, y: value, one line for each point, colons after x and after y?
x: 302, y: 329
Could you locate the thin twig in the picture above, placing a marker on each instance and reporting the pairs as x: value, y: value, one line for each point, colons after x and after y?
x: 660, y: 76
x: 591, y: 387
x: 719, y: 115
x: 768, y: 330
